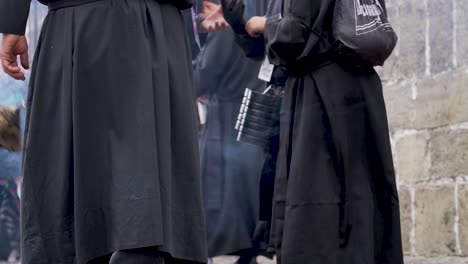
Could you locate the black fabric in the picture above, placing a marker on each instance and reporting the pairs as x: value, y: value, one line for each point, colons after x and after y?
x: 253, y: 47
x: 13, y: 16
x: 147, y: 255
x: 55, y: 4
x: 233, y: 11
x: 137, y: 256
x: 230, y: 170
x: 335, y: 199
x: 14, y: 13
x: 195, y: 49
x: 111, y: 155
x: 361, y: 28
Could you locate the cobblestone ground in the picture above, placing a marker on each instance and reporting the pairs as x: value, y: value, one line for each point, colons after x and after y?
x: 231, y: 260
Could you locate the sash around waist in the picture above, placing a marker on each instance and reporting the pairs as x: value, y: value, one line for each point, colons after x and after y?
x: 54, y: 5
x: 68, y: 3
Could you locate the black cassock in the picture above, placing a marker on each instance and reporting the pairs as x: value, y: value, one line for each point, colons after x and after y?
x: 230, y: 170
x: 111, y: 158
x: 336, y: 200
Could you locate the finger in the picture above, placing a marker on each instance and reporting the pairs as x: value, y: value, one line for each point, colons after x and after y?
x: 203, y: 28
x: 14, y: 72
x: 208, y: 27
x: 24, y: 58
x: 17, y: 75
x: 9, y: 66
x: 11, y: 70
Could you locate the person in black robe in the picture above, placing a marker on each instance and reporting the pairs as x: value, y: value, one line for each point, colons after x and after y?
x: 336, y: 200
x: 110, y: 163
x: 230, y: 169
x: 254, y: 46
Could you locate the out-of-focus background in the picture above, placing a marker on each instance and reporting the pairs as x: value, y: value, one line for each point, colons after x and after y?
x: 426, y: 89
x: 13, y: 93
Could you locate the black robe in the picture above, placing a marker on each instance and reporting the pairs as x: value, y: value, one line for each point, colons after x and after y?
x: 230, y: 169
x: 336, y: 200
x: 111, y: 155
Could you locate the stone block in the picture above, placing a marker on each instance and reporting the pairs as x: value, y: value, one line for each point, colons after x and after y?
x: 440, y: 35
x: 442, y: 100
x: 406, y: 220
x: 412, y: 17
x: 435, y: 220
x: 412, y: 163
x: 400, y: 106
x: 391, y: 70
x: 449, y: 153
x: 462, y: 31
x: 463, y: 217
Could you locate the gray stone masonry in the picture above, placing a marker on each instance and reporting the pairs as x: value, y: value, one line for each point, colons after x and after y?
x: 426, y: 92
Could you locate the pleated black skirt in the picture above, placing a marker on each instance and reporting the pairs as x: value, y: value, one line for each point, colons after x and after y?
x: 111, y: 156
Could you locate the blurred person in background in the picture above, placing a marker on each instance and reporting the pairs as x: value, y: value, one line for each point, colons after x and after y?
x: 254, y: 47
x: 110, y: 166
x: 230, y: 170
x: 10, y: 145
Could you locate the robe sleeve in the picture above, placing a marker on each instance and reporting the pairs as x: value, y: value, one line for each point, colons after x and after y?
x: 253, y: 48
x: 184, y: 4
x: 181, y: 4
x: 295, y: 37
x: 14, y: 16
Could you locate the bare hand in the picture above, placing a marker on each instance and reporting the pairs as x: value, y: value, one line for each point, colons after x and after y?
x: 215, y: 21
x: 12, y: 47
x: 208, y: 9
x: 256, y: 26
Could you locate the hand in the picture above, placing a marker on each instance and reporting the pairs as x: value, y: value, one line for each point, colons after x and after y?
x: 215, y: 21
x: 208, y: 9
x: 13, y: 46
x: 256, y: 26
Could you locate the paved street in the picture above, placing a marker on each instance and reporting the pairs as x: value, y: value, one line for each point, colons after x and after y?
x: 231, y: 260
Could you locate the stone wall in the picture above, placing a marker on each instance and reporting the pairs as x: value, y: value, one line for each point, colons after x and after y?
x: 426, y: 90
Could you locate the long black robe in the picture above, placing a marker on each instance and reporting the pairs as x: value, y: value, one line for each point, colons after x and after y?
x: 230, y: 170
x: 336, y: 200
x: 111, y: 155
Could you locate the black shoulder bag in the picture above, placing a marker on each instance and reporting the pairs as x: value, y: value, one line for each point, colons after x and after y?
x: 361, y: 28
